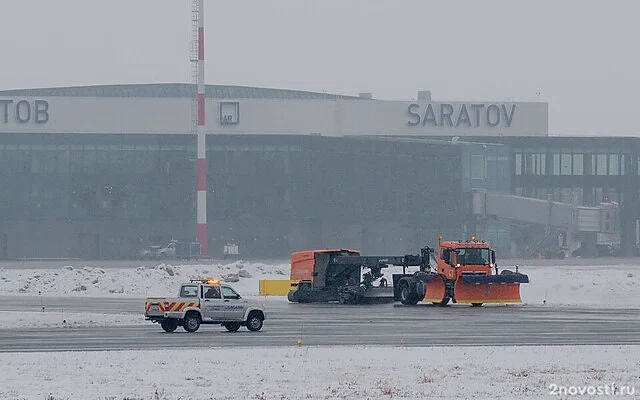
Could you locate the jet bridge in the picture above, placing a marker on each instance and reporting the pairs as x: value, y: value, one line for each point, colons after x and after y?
x: 601, y: 221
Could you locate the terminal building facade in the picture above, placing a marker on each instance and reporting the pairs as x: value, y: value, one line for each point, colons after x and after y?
x: 101, y: 172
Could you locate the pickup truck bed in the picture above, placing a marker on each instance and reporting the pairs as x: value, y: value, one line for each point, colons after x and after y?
x: 157, y: 306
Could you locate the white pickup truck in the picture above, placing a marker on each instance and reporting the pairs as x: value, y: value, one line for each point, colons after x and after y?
x: 158, y: 252
x: 204, y: 301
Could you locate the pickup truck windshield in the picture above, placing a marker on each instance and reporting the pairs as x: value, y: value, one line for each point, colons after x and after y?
x: 229, y: 293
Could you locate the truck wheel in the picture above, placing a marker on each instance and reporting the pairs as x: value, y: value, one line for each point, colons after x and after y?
x: 444, y: 302
x: 421, y: 289
x: 169, y: 325
x: 406, y: 296
x: 346, y: 298
x: 191, y: 322
x: 232, y: 326
x: 254, y: 322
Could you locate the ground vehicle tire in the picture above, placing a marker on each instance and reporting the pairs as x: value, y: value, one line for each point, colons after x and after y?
x: 169, y: 325
x: 254, y: 321
x: 346, y: 298
x: 232, y: 326
x: 191, y: 321
x: 476, y: 304
x: 444, y: 302
x: 301, y: 294
x: 406, y: 296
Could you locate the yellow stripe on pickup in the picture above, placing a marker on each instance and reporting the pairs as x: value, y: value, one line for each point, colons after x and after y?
x: 275, y: 287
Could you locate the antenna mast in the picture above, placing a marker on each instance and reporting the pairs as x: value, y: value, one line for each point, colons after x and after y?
x: 198, y: 121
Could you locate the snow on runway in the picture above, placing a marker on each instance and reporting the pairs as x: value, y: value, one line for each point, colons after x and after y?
x: 574, y: 285
x: 59, y: 318
x: 580, y: 285
x: 322, y: 373
x: 152, y: 279
x: 349, y: 372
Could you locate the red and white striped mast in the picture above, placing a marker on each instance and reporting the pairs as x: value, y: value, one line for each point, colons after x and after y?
x: 201, y: 163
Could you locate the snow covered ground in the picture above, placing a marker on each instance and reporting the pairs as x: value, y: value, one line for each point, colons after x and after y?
x: 57, y: 318
x: 310, y: 372
x: 551, y: 286
x: 325, y: 373
x: 600, y: 285
x: 593, y: 286
x: 153, y: 279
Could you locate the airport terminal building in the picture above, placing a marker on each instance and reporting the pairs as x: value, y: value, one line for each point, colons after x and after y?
x: 100, y: 172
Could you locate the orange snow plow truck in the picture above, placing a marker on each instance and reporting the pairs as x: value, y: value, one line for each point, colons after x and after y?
x: 464, y: 272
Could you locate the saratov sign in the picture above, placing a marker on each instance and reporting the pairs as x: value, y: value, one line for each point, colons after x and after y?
x: 478, y: 115
x: 23, y: 111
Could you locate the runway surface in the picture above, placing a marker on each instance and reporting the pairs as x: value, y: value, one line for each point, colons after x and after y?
x: 333, y: 324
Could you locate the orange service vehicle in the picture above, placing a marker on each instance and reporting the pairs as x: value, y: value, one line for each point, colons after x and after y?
x: 464, y: 272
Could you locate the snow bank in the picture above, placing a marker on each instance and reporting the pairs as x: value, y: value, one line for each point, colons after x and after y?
x: 143, y: 281
x: 319, y: 373
x: 603, y: 285
x: 593, y: 286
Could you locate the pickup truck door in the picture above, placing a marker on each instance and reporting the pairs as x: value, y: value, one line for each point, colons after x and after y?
x: 234, y: 305
x: 211, y: 300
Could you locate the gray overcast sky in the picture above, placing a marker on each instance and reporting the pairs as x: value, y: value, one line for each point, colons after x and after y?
x: 580, y: 56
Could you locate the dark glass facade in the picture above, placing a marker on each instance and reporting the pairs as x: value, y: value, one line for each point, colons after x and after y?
x: 585, y: 171
x: 107, y: 196
x: 486, y: 166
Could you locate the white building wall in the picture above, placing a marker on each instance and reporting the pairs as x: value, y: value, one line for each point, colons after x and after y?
x: 272, y: 116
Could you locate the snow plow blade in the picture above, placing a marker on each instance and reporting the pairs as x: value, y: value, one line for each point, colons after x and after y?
x: 496, y: 279
x: 435, y: 290
x: 479, y: 289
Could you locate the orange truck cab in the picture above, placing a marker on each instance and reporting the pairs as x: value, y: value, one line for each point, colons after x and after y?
x: 458, y: 258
